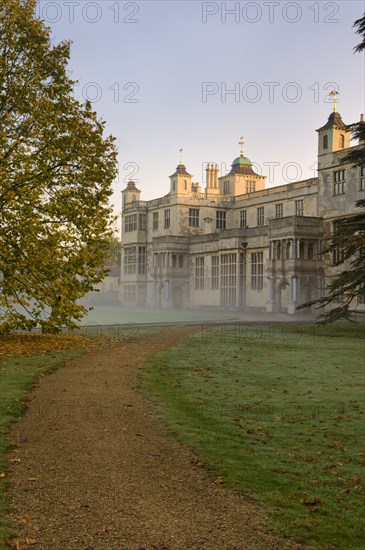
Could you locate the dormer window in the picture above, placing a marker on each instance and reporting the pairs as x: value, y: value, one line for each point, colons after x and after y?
x: 325, y: 142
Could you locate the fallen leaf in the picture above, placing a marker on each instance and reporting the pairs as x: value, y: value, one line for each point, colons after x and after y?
x: 2, y: 474
x: 30, y: 541
x: 218, y: 481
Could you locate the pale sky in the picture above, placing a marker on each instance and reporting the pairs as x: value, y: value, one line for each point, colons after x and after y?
x: 160, y: 72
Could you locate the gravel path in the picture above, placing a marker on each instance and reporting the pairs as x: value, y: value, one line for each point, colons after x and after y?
x: 94, y: 469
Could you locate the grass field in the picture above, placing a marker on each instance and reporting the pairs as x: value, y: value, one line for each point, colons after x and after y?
x: 108, y: 315
x: 278, y: 413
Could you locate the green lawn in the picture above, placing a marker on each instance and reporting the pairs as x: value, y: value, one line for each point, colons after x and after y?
x: 278, y: 413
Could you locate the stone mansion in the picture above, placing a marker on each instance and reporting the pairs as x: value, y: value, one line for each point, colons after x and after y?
x: 237, y: 244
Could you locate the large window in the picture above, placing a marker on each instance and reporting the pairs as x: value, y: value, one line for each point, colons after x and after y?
x: 299, y: 207
x: 167, y: 218
x: 130, y: 261
x: 260, y: 216
x: 155, y: 221
x: 130, y: 223
x: 339, y: 182
x: 279, y: 210
x: 130, y: 294
x: 142, y: 222
x: 228, y: 279
x: 226, y: 188
x: 141, y: 260
x: 221, y: 219
x: 199, y: 272
x: 243, y: 219
x: 257, y: 270
x: 215, y: 272
x: 362, y: 178
x: 194, y: 217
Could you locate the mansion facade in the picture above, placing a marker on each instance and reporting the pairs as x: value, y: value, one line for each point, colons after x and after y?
x: 237, y: 244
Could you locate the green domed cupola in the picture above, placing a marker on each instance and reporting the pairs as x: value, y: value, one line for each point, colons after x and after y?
x: 241, y: 160
x: 242, y: 164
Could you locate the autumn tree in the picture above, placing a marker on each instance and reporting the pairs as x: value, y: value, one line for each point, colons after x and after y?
x: 56, y: 170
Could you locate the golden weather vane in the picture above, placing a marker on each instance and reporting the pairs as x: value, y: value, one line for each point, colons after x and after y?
x: 181, y: 160
x: 334, y: 94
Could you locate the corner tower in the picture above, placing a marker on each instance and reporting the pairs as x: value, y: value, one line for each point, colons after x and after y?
x: 130, y: 193
x: 332, y: 137
x: 180, y: 180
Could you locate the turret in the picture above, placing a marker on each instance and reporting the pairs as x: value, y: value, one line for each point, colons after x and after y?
x: 242, y: 178
x: 333, y: 136
x: 181, y: 180
x: 130, y: 193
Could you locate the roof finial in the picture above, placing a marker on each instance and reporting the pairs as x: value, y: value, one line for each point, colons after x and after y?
x: 334, y: 94
x: 181, y: 160
x: 241, y: 143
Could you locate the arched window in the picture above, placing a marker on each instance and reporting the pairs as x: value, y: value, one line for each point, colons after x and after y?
x: 310, y: 251
x: 342, y: 141
x: 173, y: 185
x: 173, y: 260
x: 325, y: 142
x: 181, y: 260
x: 279, y: 251
x: 185, y: 185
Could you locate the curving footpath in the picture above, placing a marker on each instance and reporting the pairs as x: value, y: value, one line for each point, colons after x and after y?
x: 93, y: 468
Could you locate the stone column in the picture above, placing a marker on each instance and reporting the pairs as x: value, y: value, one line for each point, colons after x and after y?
x: 293, y: 294
x: 297, y: 251
x: 270, y: 306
